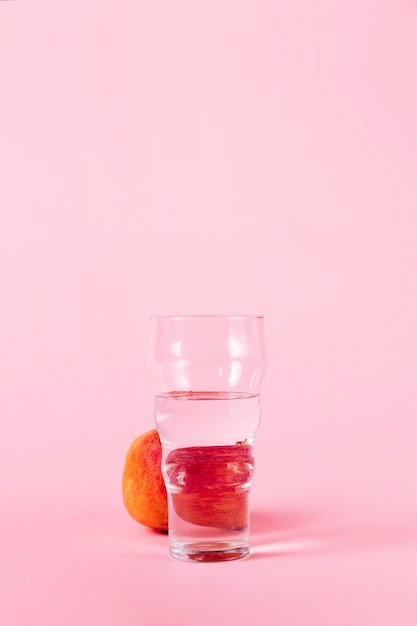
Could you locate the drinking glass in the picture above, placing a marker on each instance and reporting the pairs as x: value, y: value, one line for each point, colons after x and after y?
x: 207, y: 371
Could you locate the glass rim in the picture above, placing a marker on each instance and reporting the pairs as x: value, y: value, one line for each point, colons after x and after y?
x: 224, y: 316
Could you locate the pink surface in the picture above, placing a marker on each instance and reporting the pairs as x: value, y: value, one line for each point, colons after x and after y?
x: 200, y: 157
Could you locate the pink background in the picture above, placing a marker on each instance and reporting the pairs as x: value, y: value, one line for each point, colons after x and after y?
x: 198, y: 157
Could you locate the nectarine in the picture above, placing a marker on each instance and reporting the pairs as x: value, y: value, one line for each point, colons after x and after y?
x: 210, y: 483
x: 144, y: 492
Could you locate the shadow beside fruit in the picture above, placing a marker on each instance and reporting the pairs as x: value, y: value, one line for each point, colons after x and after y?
x: 289, y: 533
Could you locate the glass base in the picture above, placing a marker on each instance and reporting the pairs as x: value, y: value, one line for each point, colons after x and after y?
x: 202, y: 552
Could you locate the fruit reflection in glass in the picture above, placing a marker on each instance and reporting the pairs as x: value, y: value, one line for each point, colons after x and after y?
x: 207, y: 371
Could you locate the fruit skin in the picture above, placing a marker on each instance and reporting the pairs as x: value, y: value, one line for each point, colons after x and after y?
x: 144, y: 492
x: 211, y: 484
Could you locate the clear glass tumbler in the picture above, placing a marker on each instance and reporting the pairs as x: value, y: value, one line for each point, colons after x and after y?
x: 207, y: 372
